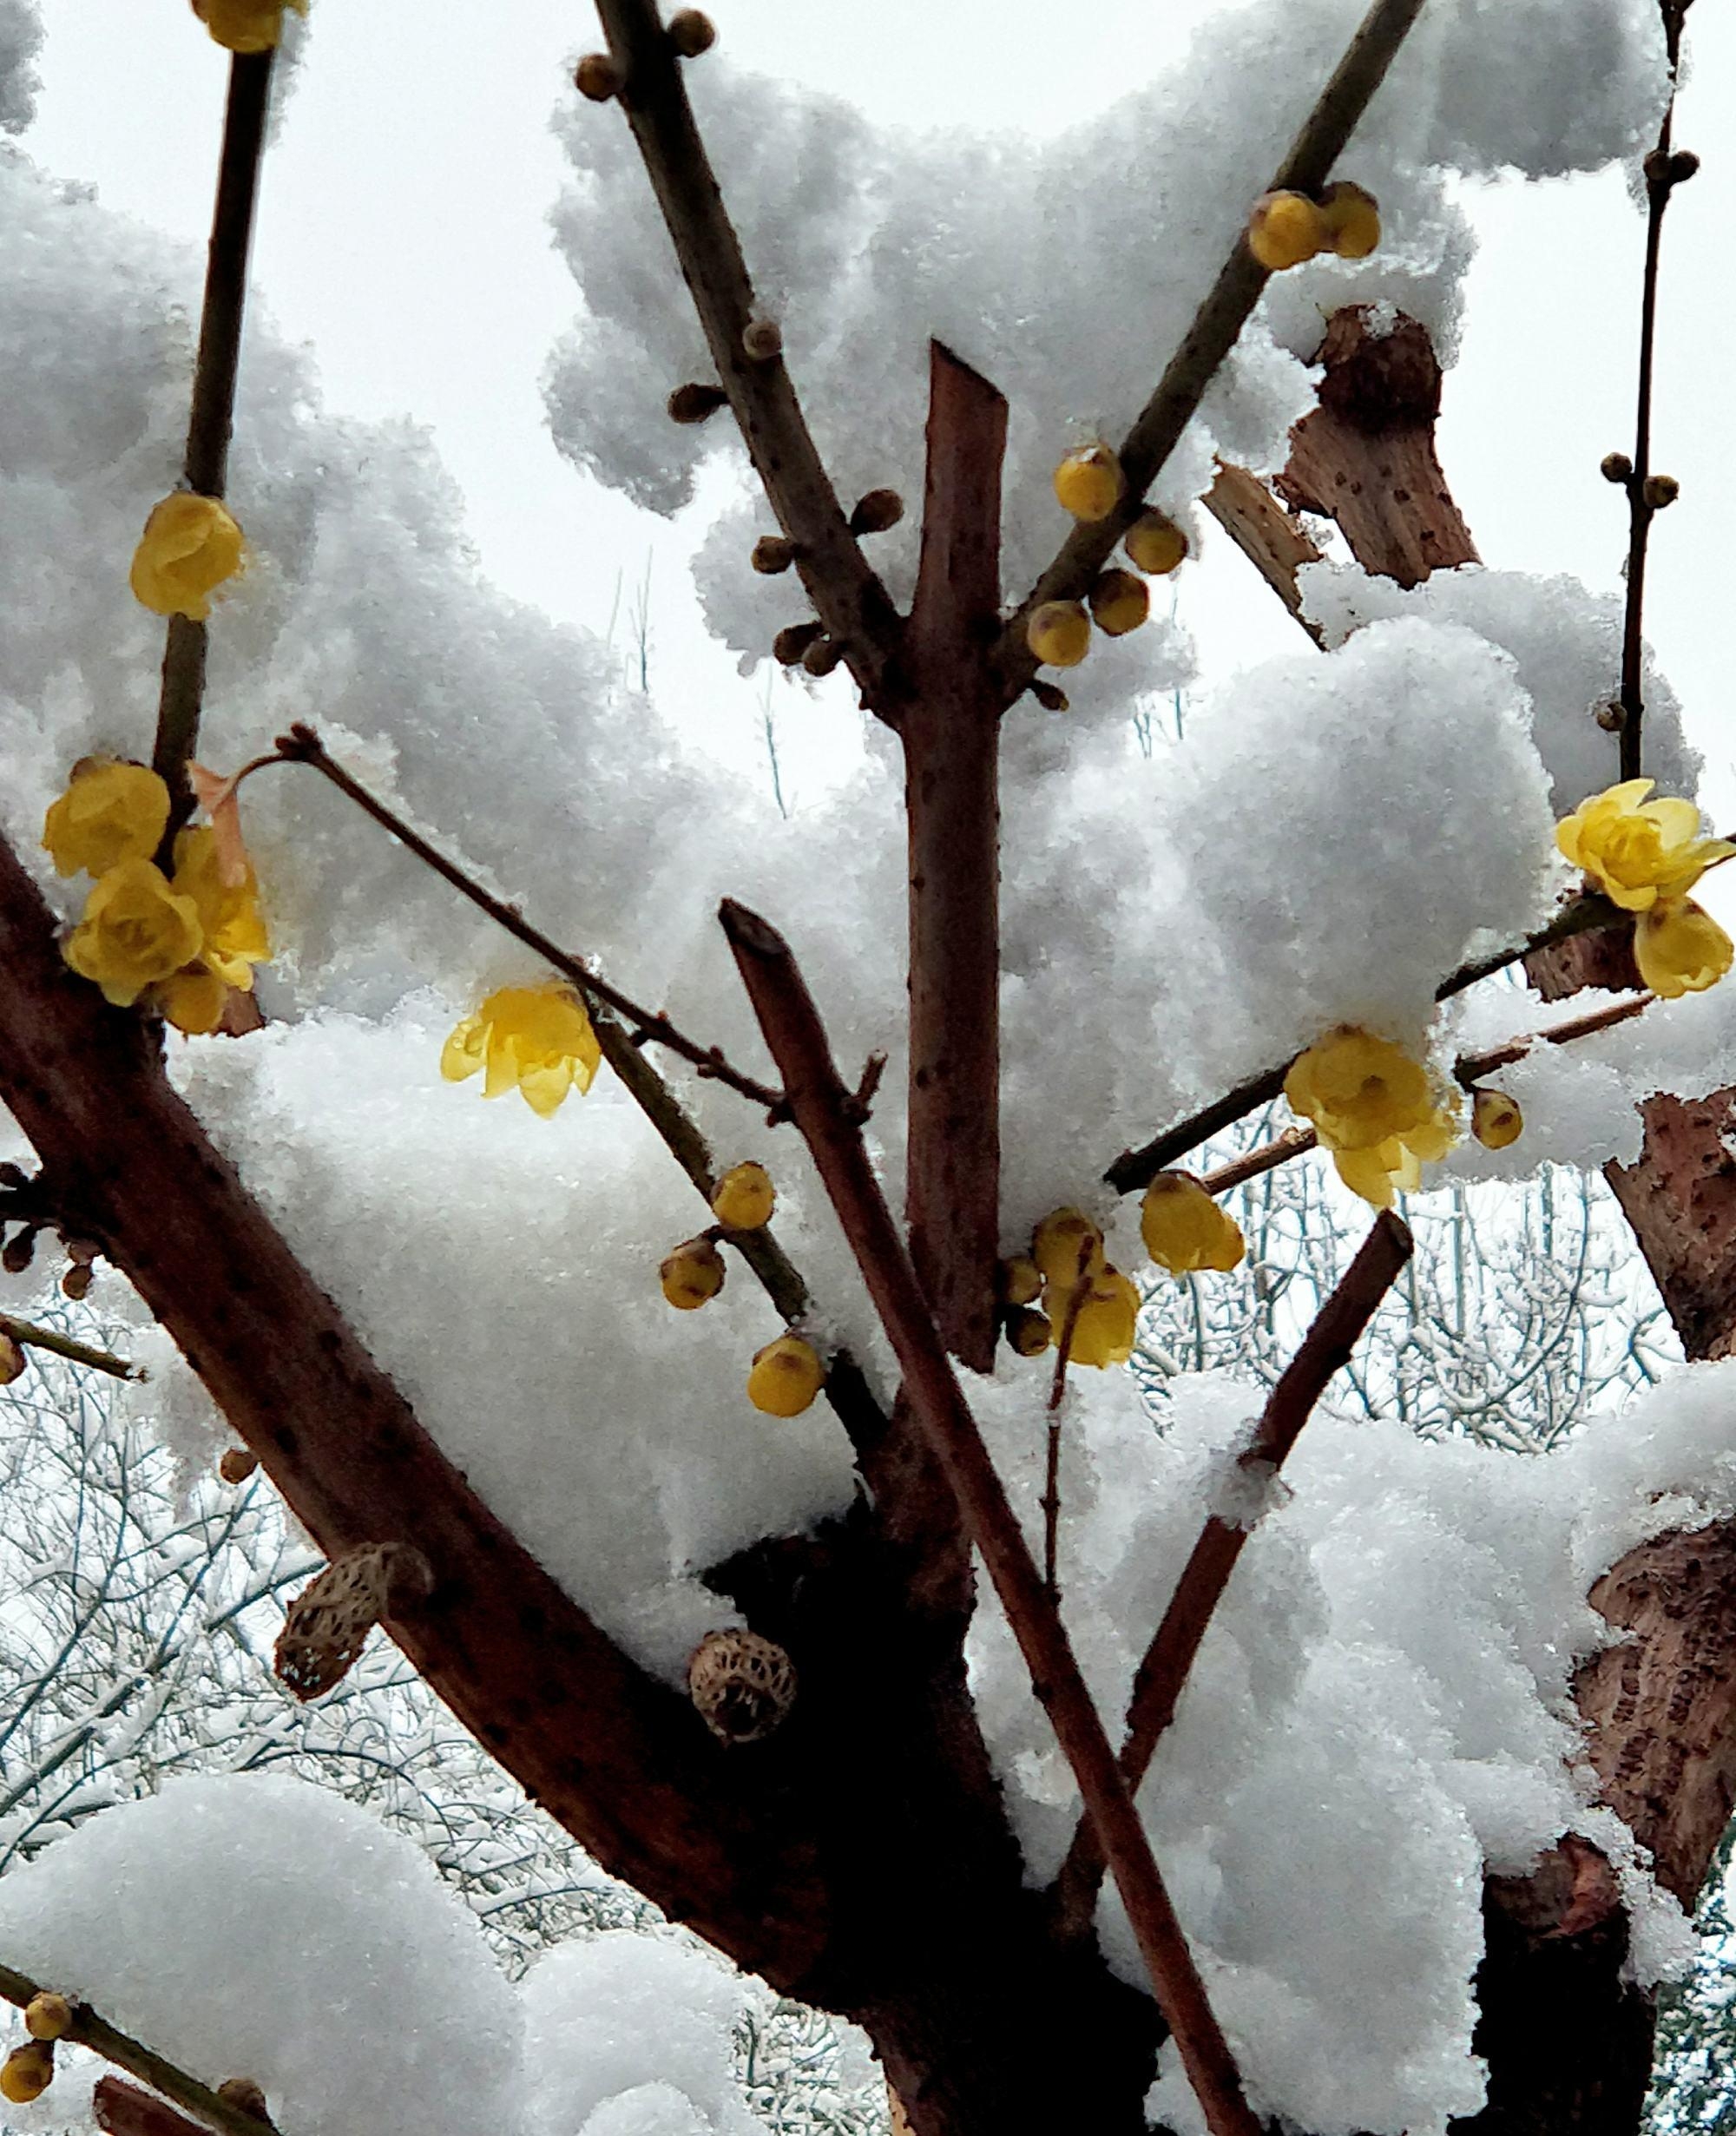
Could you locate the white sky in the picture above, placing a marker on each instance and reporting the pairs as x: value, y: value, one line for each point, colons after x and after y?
x: 403, y: 235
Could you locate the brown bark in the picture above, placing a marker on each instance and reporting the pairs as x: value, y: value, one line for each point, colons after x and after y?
x: 123, y: 2109
x: 1274, y: 543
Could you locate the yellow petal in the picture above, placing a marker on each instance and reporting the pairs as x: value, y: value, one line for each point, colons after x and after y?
x: 462, y: 1054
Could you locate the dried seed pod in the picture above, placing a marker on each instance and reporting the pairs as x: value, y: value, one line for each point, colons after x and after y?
x: 1682, y: 165
x: 27, y: 2072
x: 243, y: 2092
x: 692, y: 33
x: 1658, y: 490
x: 773, y: 553
x: 237, y: 1463
x: 692, y: 402
x: 47, y: 2016
x: 1028, y: 1331
x: 19, y: 1250
x: 75, y: 1281
x: 329, y: 1621
x: 876, y: 512
x: 1615, y: 467
x: 597, y: 77
x: 823, y: 655
x: 762, y: 339
x: 1047, y: 696
x: 742, y: 1685
x: 1611, y: 717
x: 788, y: 647
x: 12, y: 1359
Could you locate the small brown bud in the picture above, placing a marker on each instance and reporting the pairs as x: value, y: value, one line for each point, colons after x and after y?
x: 47, y: 2016
x: 822, y: 656
x: 788, y: 647
x: 1611, y: 717
x: 1615, y: 467
x: 773, y: 553
x: 242, y: 2092
x: 237, y: 1463
x: 18, y: 1251
x: 12, y: 1359
x: 875, y: 512
x: 692, y: 33
x: 76, y: 1282
x: 1658, y: 490
x: 597, y: 77
x: 1028, y: 1330
x: 83, y: 1251
x: 692, y: 404
x: 743, y: 1684
x: 1048, y: 696
x: 1682, y: 165
x: 11, y: 1175
x: 762, y: 339
x: 1019, y: 1281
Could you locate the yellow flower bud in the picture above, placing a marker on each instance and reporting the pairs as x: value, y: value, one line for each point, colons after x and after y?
x: 1352, y: 220
x: 1028, y: 1332
x: 745, y: 1197
x: 1184, y: 1229
x: 1058, y: 633
x: 1066, y: 1245
x: 1119, y: 604
x: 136, y: 931
x: 27, y: 2072
x: 1154, y: 544
x: 1104, y: 1326
x: 1680, y: 949
x: 786, y: 1375
x: 47, y: 2016
x: 189, y: 547
x: 1283, y: 229
x: 245, y: 25
x: 1089, y: 483
x: 693, y: 1275
x: 1019, y: 1281
x: 1636, y: 851
x: 110, y: 812
x: 236, y: 1464
x: 536, y: 1040
x: 1496, y: 1119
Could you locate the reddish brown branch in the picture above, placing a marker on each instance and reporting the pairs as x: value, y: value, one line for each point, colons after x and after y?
x: 948, y: 724
x: 819, y: 1104
x: 122, y: 2109
x: 212, y: 414
x: 1216, y: 327
x: 848, y: 597
x: 1175, y: 1645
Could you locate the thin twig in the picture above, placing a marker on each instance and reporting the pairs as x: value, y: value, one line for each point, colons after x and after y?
x: 850, y: 602
x: 818, y: 1104
x: 1135, y: 1169
x: 1050, y: 1500
x: 1216, y: 326
x: 33, y: 1337
x: 1158, y: 1684
x: 90, y: 2030
x: 1642, y: 508
x: 212, y: 414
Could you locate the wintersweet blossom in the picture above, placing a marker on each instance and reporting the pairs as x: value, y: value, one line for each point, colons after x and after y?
x: 235, y: 937
x: 1680, y: 949
x: 137, y: 930
x: 245, y: 25
x: 538, y: 1038
x: 1636, y: 851
x: 192, y: 1000
x: 1358, y: 1090
x: 189, y: 547
x: 1104, y: 1326
x: 1185, y: 1230
x: 110, y: 812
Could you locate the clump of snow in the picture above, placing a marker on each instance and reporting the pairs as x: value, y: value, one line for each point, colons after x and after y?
x: 253, y: 1925
x: 21, y: 37
x: 1388, y: 1679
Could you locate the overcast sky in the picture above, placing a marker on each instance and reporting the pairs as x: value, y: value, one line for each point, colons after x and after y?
x: 402, y: 235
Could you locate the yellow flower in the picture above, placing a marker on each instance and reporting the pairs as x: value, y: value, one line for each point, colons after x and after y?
x: 136, y: 931
x: 110, y: 813
x: 245, y: 25
x: 192, y: 1000
x: 1358, y: 1089
x: 1680, y: 949
x: 1637, y: 851
x: 1184, y: 1229
x: 1103, y: 1327
x: 538, y: 1039
x: 235, y: 937
x: 786, y: 1375
x: 189, y: 547
x: 1377, y: 1173
x: 1057, y: 1245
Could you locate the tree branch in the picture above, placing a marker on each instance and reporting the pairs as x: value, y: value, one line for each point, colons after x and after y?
x: 212, y: 414
x: 33, y: 1337
x: 1213, y: 333
x: 1168, y: 1660
x: 1274, y: 543
x: 819, y: 1104
x: 848, y: 597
